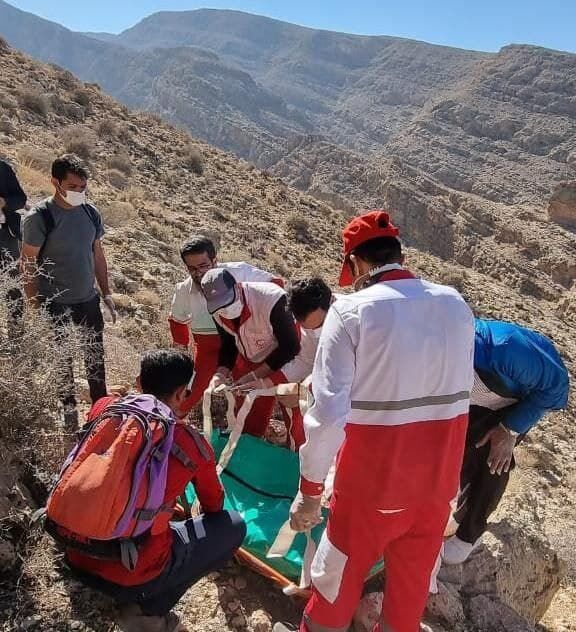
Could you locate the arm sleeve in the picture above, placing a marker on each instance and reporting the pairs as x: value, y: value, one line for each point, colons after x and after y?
x: 332, y: 379
x: 11, y: 191
x: 228, y: 349
x: 99, y: 223
x: 33, y: 229
x: 301, y: 366
x: 286, y: 334
x: 206, y: 483
x: 542, y: 377
x: 180, y: 332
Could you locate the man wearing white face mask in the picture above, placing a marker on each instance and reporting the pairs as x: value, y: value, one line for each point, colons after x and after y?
x: 257, y: 332
x: 62, y: 259
x: 309, y: 301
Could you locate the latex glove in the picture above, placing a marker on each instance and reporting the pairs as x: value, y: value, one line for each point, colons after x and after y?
x: 305, y: 512
x: 502, y: 443
x: 111, y: 307
x: 222, y: 376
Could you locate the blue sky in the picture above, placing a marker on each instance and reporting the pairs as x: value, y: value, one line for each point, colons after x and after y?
x: 475, y: 24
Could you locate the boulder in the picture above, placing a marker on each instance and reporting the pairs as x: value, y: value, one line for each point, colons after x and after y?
x: 562, y: 206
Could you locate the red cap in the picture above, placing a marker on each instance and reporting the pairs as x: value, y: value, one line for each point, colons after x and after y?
x: 363, y: 228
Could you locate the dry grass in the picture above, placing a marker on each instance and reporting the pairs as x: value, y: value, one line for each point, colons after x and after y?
x: 299, y: 227
x: 107, y: 128
x: 79, y: 140
x: 193, y: 160
x: 121, y: 162
x: 117, y: 179
x: 34, y: 181
x: 118, y: 214
x: 34, y: 101
x: 82, y: 97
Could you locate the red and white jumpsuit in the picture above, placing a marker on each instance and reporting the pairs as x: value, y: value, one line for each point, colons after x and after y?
x: 189, y: 312
x: 264, y: 333
x: 391, y: 385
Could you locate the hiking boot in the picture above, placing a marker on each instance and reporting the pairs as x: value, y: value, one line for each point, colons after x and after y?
x: 132, y: 619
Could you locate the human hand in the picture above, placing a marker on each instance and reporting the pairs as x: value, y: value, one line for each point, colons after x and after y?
x: 111, y: 307
x: 502, y: 443
x: 222, y: 376
x: 305, y: 512
x: 2, y: 202
x: 250, y: 382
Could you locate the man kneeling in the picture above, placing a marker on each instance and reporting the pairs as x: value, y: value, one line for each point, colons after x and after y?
x: 150, y: 576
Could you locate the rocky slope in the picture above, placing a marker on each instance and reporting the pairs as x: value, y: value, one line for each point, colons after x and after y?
x: 155, y: 185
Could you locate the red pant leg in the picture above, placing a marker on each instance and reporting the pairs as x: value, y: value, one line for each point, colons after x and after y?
x: 409, y: 562
x: 207, y: 349
x: 356, y: 536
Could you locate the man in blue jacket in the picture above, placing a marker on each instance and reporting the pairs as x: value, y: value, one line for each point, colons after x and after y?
x: 519, y: 377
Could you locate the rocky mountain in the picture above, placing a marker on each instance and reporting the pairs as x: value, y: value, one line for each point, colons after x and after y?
x: 155, y: 184
x: 502, y: 126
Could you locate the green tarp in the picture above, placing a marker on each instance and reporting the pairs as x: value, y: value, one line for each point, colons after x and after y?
x: 261, y: 480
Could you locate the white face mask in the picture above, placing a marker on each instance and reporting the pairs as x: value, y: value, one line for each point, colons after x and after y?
x: 231, y: 311
x: 75, y: 198
x: 314, y: 333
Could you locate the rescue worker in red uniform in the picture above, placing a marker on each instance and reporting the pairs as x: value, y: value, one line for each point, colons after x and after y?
x: 189, y: 311
x: 257, y: 333
x: 391, y: 386
x: 309, y: 301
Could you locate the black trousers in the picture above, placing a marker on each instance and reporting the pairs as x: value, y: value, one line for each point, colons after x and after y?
x: 88, y: 317
x: 200, y: 545
x: 481, y: 490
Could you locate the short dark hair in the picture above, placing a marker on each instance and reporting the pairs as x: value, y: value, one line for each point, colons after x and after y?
x: 197, y: 245
x: 164, y: 370
x: 307, y: 295
x: 380, y: 251
x: 69, y: 163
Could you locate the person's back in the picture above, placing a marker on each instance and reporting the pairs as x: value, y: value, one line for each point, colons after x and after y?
x: 410, y: 392
x: 523, y: 364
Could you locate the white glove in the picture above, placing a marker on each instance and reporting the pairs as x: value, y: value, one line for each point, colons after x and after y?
x: 111, y: 307
x: 305, y: 512
x: 222, y: 376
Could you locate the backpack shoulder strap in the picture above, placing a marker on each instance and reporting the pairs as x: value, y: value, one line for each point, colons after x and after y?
x: 47, y: 218
x: 179, y: 453
x: 93, y: 214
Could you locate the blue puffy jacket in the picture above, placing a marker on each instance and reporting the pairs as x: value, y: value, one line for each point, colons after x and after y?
x: 521, y: 363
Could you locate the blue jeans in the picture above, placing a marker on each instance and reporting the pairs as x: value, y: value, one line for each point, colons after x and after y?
x: 200, y: 546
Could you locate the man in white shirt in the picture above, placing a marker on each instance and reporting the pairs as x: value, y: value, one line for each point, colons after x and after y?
x: 189, y: 311
x: 391, y: 385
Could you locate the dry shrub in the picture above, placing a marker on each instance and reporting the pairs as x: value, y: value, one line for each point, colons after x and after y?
x: 117, y: 179
x: 34, y: 101
x: 299, y: 227
x: 147, y: 297
x: 7, y: 127
x: 82, y: 97
x: 34, y: 182
x: 8, y: 102
x: 192, y: 159
x: 119, y: 214
x: 31, y: 362
x: 121, y: 162
x: 36, y: 158
x: 160, y: 232
x: 79, y: 140
x: 107, y: 128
